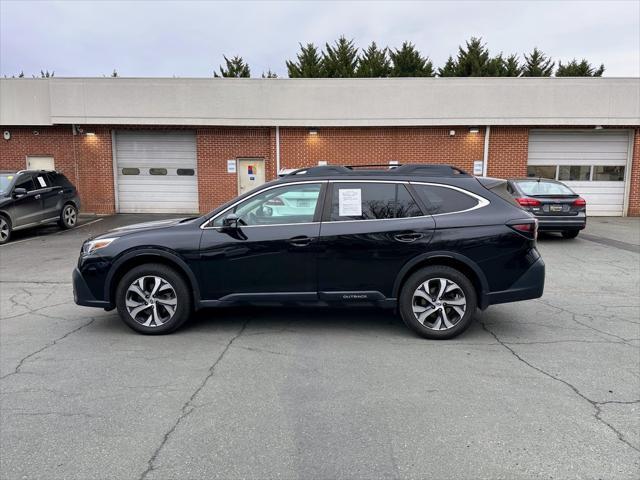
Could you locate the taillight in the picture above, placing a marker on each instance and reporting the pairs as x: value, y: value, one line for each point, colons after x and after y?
x: 579, y: 202
x: 277, y: 201
x: 528, y: 228
x: 528, y: 202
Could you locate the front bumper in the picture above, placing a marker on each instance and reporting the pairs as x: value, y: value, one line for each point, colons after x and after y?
x: 529, y: 286
x: 82, y: 294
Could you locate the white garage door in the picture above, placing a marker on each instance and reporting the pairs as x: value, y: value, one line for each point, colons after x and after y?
x: 593, y: 163
x: 156, y: 172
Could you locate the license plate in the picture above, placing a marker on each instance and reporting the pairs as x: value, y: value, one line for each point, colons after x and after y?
x: 555, y: 208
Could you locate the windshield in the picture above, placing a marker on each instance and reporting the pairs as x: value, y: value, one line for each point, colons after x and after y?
x: 540, y: 188
x: 5, y: 181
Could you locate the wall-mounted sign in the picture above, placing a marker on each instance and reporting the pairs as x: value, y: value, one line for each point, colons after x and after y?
x: 231, y: 166
x: 477, y: 167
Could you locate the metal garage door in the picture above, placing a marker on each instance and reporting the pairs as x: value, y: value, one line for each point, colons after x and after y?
x: 593, y: 163
x: 156, y: 172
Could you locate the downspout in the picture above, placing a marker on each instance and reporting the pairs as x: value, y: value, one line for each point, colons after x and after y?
x: 485, y: 157
x: 277, y: 151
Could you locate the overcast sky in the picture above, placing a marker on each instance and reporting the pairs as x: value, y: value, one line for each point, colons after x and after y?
x: 188, y: 38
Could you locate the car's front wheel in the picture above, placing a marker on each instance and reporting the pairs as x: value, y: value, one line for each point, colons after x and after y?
x: 68, y: 216
x: 153, y: 299
x: 5, y: 230
x: 438, y: 302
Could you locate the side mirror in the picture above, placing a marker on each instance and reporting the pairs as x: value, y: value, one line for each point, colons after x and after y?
x: 230, y: 221
x: 19, y: 192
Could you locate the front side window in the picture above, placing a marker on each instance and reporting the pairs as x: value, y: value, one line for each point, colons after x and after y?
x: 371, y: 201
x: 444, y: 200
x: 283, y: 205
x: 25, y: 182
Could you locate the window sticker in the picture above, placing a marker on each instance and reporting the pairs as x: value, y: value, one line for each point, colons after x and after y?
x: 350, y: 202
x: 42, y: 182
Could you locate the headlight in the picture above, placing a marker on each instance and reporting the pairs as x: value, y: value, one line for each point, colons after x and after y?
x: 93, y: 245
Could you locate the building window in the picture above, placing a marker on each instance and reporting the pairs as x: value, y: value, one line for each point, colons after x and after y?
x: 606, y: 173
x: 542, y: 171
x: 130, y: 171
x: 574, y: 172
x: 157, y: 171
x: 187, y: 172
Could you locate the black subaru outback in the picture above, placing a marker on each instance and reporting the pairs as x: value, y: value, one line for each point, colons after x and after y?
x: 30, y: 198
x: 428, y: 240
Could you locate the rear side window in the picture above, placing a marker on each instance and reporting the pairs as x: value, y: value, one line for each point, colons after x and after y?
x: 371, y: 201
x: 58, y: 180
x: 41, y: 181
x: 444, y: 200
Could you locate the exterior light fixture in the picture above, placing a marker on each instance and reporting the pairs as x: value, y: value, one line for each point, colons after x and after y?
x: 452, y: 133
x: 90, y: 134
x: 313, y: 131
x: 474, y: 130
x: 322, y: 163
x: 598, y: 127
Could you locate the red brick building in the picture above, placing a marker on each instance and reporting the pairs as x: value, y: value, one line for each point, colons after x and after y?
x: 174, y: 145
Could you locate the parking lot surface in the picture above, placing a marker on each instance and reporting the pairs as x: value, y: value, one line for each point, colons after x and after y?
x: 540, y: 389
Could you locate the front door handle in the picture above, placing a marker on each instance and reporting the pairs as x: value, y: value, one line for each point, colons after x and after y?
x: 37, y: 197
x: 300, y: 241
x: 408, y: 237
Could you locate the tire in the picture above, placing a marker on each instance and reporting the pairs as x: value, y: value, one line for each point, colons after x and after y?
x: 68, y: 216
x: 5, y: 229
x: 568, y: 234
x: 414, y: 303
x: 149, y: 313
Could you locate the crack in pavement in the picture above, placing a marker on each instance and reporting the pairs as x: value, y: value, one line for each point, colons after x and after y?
x: 596, y: 405
x: 48, y: 345
x: 188, y: 407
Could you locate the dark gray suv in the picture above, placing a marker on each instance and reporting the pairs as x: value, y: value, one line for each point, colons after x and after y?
x: 29, y: 198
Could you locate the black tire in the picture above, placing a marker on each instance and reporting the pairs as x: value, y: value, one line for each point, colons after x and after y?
x: 568, y: 234
x: 183, y: 300
x: 417, y: 279
x: 68, y: 216
x: 5, y: 229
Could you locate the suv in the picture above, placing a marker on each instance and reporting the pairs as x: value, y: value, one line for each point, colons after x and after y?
x: 556, y: 206
x: 428, y: 240
x: 29, y: 198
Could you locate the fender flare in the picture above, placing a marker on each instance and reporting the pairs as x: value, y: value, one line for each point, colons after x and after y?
x: 158, y: 252
x: 402, y: 274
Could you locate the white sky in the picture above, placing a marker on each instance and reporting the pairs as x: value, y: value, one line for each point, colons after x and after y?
x: 188, y: 38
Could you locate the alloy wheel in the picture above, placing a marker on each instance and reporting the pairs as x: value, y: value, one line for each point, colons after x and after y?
x: 151, y: 301
x: 69, y: 215
x: 4, y: 230
x: 439, y: 304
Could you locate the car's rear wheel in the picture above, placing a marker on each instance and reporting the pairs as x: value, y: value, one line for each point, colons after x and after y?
x: 5, y: 229
x: 438, y: 302
x: 68, y: 216
x: 153, y: 299
x: 570, y: 233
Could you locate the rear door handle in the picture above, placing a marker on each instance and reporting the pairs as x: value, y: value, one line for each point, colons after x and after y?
x: 300, y: 241
x: 37, y: 196
x: 408, y: 237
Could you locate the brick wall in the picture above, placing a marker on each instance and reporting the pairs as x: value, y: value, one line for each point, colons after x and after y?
x: 215, y: 146
x: 84, y: 159
x: 634, y: 190
x: 508, y: 152
x: 359, y: 146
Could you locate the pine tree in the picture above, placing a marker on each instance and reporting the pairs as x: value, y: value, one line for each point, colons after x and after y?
x: 46, y: 74
x: 374, y: 62
x: 473, y: 61
x: 450, y: 68
x: 407, y: 62
x: 308, y: 63
x: 341, y: 60
x: 114, y: 74
x: 21, y: 74
x: 269, y: 74
x: 512, y: 67
x: 235, y: 68
x: 575, y: 69
x: 537, y: 65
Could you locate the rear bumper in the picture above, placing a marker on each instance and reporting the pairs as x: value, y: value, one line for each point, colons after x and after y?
x: 82, y: 294
x: 550, y: 223
x: 530, y: 285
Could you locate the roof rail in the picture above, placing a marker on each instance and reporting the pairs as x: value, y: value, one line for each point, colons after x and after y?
x: 434, y: 170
